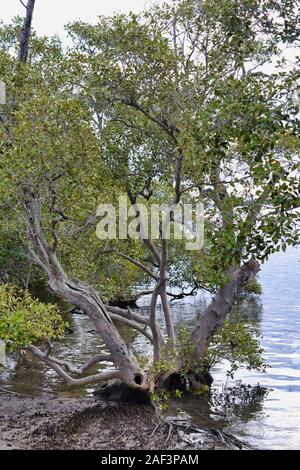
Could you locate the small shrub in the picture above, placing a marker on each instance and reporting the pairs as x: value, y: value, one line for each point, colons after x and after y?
x: 253, y: 287
x: 25, y: 320
x: 240, y: 345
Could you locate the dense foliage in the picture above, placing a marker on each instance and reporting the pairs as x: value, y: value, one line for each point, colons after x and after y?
x: 24, y: 320
x: 176, y: 105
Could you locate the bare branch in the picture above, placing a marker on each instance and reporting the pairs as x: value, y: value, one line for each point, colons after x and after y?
x: 55, y: 210
x: 87, y: 365
x: 178, y: 175
x: 129, y: 314
x: 131, y: 260
x: 54, y: 223
x: 110, y: 374
x: 87, y: 223
x: 162, y: 123
x: 163, y: 293
x: 149, y: 243
x: 133, y: 324
x: 153, y: 325
x: 34, y: 258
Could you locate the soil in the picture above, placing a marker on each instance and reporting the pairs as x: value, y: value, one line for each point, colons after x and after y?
x: 87, y: 423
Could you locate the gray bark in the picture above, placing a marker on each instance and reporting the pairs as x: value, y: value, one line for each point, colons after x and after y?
x: 26, y: 31
x: 157, y: 343
x: 163, y: 292
x: 56, y: 365
x: 215, y: 315
x: 79, y: 294
x: 167, y: 314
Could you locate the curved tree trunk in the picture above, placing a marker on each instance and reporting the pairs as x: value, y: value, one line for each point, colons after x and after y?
x: 80, y: 295
x: 209, y: 323
x: 215, y: 315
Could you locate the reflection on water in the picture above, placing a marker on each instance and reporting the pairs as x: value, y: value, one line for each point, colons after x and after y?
x: 265, y: 416
x: 235, y: 404
x: 278, y: 424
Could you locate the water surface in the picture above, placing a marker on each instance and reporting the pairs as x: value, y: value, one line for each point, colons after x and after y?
x: 264, y: 420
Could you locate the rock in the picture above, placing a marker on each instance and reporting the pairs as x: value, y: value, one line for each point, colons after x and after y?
x: 120, y: 393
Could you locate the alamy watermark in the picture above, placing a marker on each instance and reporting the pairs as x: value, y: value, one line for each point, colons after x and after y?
x: 153, y: 221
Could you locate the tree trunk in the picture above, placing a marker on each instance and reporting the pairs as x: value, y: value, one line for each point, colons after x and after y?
x: 26, y: 31
x: 80, y: 295
x: 167, y: 314
x: 215, y: 315
x: 86, y: 298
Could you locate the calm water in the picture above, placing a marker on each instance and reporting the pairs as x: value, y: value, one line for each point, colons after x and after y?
x: 271, y: 421
x: 264, y: 420
x: 277, y: 425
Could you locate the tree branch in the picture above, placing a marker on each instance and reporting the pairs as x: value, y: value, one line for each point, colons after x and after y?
x: 168, y: 128
x: 152, y: 319
x: 129, y: 314
x: 178, y: 174
x: 110, y: 374
x: 88, y: 222
x: 183, y: 294
x: 87, y: 365
x: 131, y: 260
x: 149, y: 243
x: 132, y: 324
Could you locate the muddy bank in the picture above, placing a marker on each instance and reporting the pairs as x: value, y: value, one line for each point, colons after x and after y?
x: 86, y: 423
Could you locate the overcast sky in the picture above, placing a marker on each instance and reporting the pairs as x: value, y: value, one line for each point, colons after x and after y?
x: 50, y: 16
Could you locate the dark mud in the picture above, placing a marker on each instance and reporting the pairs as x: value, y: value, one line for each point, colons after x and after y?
x: 86, y: 423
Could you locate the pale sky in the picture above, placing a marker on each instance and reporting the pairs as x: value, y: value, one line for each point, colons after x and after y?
x: 50, y: 16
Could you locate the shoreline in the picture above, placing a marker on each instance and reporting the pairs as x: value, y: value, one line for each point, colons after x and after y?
x: 50, y: 423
